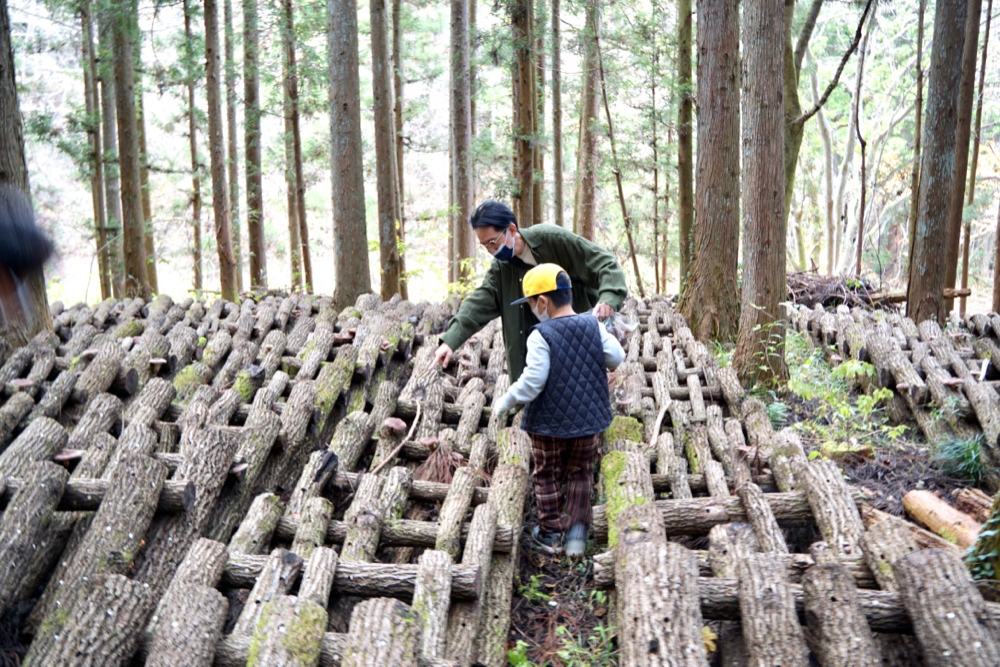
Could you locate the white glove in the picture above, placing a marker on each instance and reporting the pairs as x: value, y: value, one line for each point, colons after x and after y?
x: 503, y: 405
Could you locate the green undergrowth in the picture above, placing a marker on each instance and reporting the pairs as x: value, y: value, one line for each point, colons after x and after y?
x: 826, y: 405
x: 961, y: 458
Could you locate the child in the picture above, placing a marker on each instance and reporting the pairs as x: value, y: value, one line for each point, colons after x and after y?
x: 565, y: 391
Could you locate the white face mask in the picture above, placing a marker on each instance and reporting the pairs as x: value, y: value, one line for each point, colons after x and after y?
x: 542, y: 316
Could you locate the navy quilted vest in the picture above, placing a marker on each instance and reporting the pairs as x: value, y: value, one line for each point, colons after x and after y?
x: 575, y: 400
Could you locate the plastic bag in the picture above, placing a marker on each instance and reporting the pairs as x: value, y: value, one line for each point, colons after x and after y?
x: 621, y: 326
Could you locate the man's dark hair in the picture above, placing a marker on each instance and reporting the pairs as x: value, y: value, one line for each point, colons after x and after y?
x: 564, y: 296
x: 492, y: 214
x: 23, y: 246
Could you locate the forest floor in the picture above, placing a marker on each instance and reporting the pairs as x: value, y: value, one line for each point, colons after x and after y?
x: 559, y: 618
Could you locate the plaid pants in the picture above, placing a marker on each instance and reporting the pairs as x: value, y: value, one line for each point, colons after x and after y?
x: 558, y: 461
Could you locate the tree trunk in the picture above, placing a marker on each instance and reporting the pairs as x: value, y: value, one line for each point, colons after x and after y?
x: 585, y: 211
x: 685, y: 141
x: 862, y: 181
x: 966, y: 91
x: 710, y: 302
x: 975, y: 154
x: 251, y: 142
x: 352, y: 275
x: 136, y: 278
x: 291, y: 196
x: 996, y: 266
x: 148, y: 239
x: 193, y: 147
x: 840, y: 213
x: 300, y: 186
x: 793, y: 109
x: 397, y: 115
x: 521, y: 15
x: 461, y: 127
x: 618, y: 174
x: 220, y: 205
x: 658, y: 287
x: 665, y: 244
x: 557, y: 155
x: 109, y: 138
x: 96, y: 161
x: 924, y: 298
x: 385, y: 152
x: 917, y: 120
x: 538, y: 119
x: 233, y: 153
x: 759, y: 356
x: 824, y: 131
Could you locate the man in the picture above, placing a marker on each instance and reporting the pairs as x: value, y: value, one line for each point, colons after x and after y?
x: 597, y: 279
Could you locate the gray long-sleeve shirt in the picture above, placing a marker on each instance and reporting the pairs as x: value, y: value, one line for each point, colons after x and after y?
x: 537, y: 364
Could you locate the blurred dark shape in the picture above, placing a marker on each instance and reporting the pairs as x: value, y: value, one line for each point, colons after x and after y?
x: 23, y: 246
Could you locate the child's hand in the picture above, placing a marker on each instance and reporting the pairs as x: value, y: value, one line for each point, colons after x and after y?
x: 503, y: 405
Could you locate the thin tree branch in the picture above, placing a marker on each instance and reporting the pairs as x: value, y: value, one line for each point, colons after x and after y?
x: 840, y: 69
x: 806, y: 34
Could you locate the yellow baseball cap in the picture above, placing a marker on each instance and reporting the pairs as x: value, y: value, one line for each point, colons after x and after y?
x: 541, y: 279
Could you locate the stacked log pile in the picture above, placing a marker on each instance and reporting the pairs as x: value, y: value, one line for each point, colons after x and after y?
x: 946, y: 380
x: 277, y: 482
x: 793, y: 572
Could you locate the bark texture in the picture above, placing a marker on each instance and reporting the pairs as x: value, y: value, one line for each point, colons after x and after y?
x: 385, y: 151
x: 759, y: 355
x: 685, y: 141
x: 23, y: 525
x: 431, y: 599
x: 963, y: 129
x: 924, y: 296
x: 461, y: 139
x: 949, y: 616
x: 767, y: 609
x: 136, y: 281
x: 710, y: 299
x: 585, y: 210
x: 659, y: 613
x: 350, y: 241
x: 837, y: 630
x: 191, y: 628
x: 383, y: 632
x: 217, y: 150
x: 252, y: 147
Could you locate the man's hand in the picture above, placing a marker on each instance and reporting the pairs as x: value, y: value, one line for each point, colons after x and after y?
x: 603, y: 311
x: 443, y: 355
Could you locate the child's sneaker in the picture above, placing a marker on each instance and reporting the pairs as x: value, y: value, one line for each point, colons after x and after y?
x: 576, y: 540
x: 549, y: 542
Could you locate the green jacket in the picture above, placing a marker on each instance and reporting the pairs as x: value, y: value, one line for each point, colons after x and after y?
x: 596, y: 277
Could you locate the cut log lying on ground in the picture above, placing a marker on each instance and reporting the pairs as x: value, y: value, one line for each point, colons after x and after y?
x: 949, y: 616
x: 973, y: 502
x: 900, y: 297
x: 23, y: 525
x: 884, y: 611
x: 398, y: 533
x: 85, y: 494
x: 955, y: 526
x: 383, y: 632
x: 924, y: 538
x: 362, y: 579
x: 697, y: 515
x: 796, y: 565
